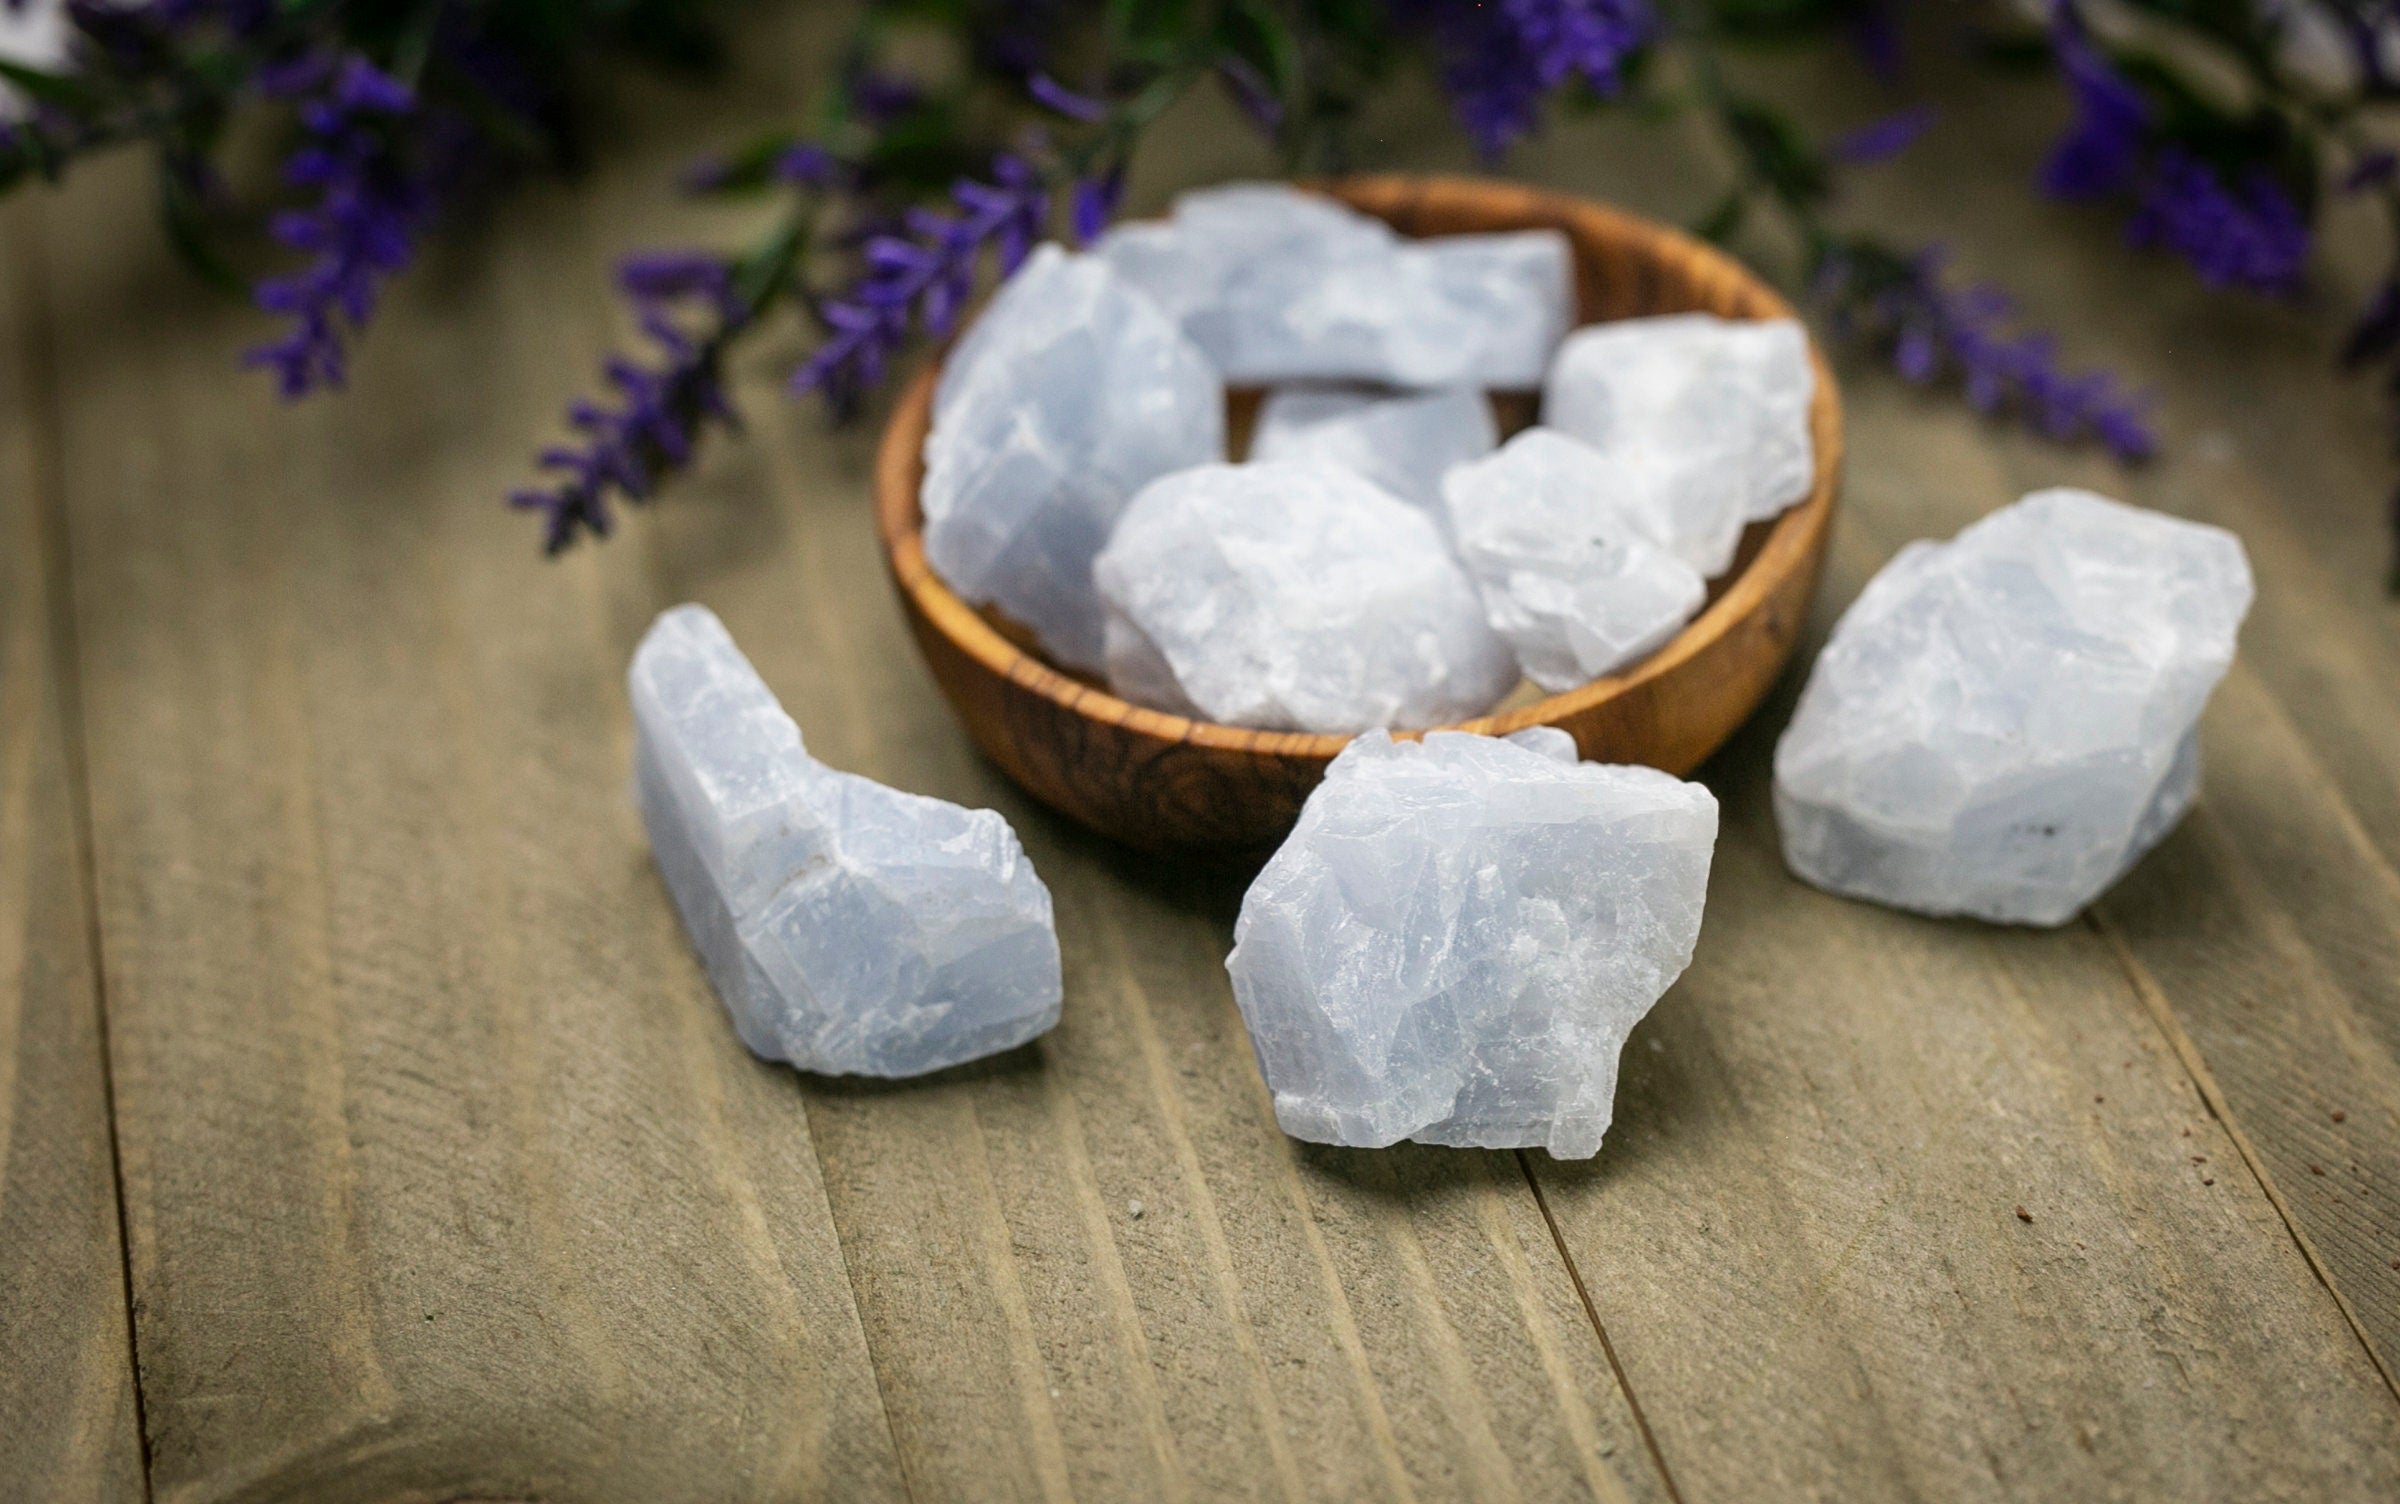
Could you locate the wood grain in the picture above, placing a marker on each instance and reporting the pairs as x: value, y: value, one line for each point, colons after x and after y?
x: 1806, y: 1245
x: 2270, y: 923
x: 1272, y: 1321
x: 443, y: 1174
x: 1166, y: 782
x: 66, y: 1360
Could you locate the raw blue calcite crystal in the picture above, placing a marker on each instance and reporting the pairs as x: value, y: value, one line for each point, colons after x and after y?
x: 1727, y: 396
x: 1061, y: 401
x: 1458, y: 936
x: 1293, y: 597
x: 1563, y: 545
x: 850, y: 928
x: 1405, y: 442
x: 1281, y: 285
x: 2004, y: 723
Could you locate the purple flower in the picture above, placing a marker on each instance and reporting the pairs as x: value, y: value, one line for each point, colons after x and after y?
x: 2102, y: 151
x: 1095, y: 203
x: 655, y: 425
x: 1252, y: 92
x: 878, y: 98
x: 1875, y: 33
x: 925, y: 275
x: 369, y: 204
x: 1930, y: 328
x: 2252, y: 237
x: 1879, y: 140
x: 1053, y: 95
x: 2373, y: 169
x: 2243, y: 232
x: 1502, y: 58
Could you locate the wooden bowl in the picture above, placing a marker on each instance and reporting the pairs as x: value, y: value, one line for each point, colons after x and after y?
x: 1161, y: 781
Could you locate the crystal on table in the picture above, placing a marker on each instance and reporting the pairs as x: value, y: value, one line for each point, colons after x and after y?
x: 1293, y: 597
x: 849, y: 928
x: 1460, y: 933
x: 2004, y: 723
x: 1563, y: 553
x: 1061, y: 401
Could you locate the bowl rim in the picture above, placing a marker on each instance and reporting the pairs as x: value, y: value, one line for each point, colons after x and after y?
x: 1793, y: 542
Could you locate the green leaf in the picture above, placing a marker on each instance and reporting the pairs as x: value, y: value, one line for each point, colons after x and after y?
x: 63, y: 90
x: 751, y: 168
x: 1777, y: 154
x: 1721, y: 224
x: 185, y: 221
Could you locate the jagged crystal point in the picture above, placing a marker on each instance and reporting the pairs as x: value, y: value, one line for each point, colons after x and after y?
x: 849, y: 928
x: 1293, y: 597
x: 1560, y: 541
x: 1281, y: 285
x: 1404, y: 442
x: 1726, y: 395
x: 2004, y: 723
x: 1459, y: 935
x: 1068, y: 395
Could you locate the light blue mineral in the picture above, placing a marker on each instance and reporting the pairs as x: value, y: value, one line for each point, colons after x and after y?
x: 850, y: 928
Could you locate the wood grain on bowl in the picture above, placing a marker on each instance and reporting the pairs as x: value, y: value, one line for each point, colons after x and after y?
x: 1163, y: 781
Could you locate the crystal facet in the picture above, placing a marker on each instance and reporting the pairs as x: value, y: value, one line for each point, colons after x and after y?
x: 850, y: 928
x: 1404, y: 442
x: 1562, y: 555
x: 1280, y: 285
x: 1731, y: 396
x: 1069, y: 394
x: 2004, y: 723
x: 1293, y: 597
x: 1458, y: 936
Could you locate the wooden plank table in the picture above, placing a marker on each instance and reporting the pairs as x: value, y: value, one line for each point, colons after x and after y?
x: 367, y: 1130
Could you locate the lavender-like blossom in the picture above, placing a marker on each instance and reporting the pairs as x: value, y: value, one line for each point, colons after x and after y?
x: 2246, y: 233
x: 2252, y: 238
x: 1881, y: 140
x: 1929, y: 328
x: 1504, y: 57
x: 923, y: 276
x: 370, y: 206
x: 2103, y: 150
x: 1053, y: 95
x: 685, y: 303
x: 1095, y: 203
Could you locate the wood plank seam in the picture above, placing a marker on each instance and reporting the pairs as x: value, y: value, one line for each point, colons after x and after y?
x: 1633, y: 1402
x: 2162, y: 1013
x: 49, y: 503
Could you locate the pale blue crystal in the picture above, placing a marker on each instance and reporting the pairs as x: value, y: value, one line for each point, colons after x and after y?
x: 1061, y: 401
x: 1460, y: 933
x: 1405, y: 442
x: 1293, y: 597
x: 2004, y: 723
x: 849, y: 928
x: 1281, y: 285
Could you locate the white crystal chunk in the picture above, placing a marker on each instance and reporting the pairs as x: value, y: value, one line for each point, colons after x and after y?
x: 1068, y: 395
x: 1732, y: 395
x: 850, y: 928
x: 2004, y: 723
x: 1561, y: 548
x: 37, y: 34
x: 1458, y: 936
x: 1293, y: 597
x: 1280, y: 285
x: 1404, y: 442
